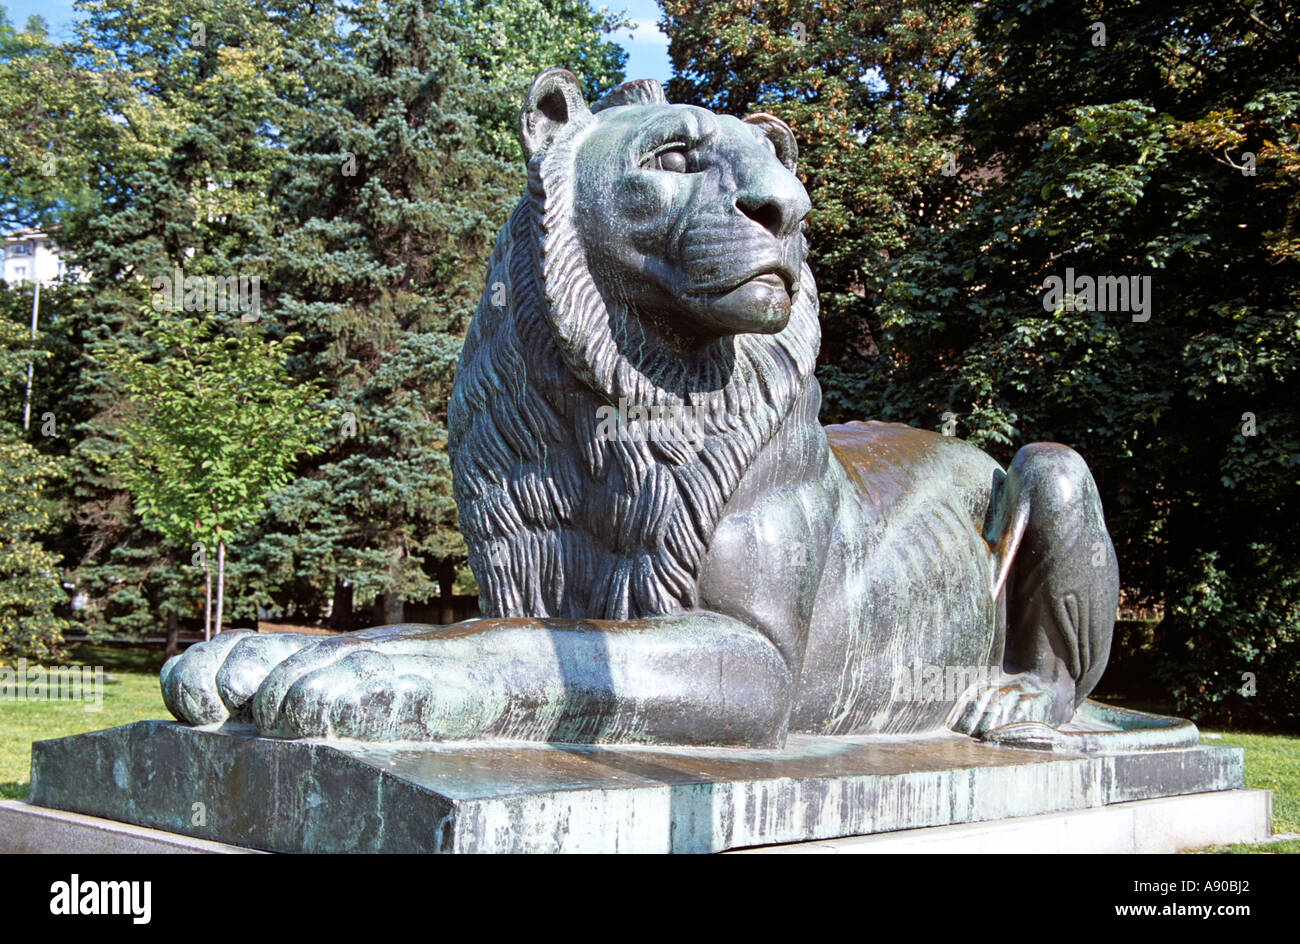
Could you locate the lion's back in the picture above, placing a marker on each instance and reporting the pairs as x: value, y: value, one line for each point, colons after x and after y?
x: 891, y: 464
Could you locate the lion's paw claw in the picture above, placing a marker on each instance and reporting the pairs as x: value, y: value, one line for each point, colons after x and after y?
x: 987, y: 708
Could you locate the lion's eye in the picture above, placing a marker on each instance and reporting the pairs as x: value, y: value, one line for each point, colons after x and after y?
x: 672, y: 160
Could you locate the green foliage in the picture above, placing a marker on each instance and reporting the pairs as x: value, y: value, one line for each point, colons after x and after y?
x: 42, y: 171
x: 1127, y: 159
x: 32, y: 601
x: 508, y: 42
x: 214, y: 427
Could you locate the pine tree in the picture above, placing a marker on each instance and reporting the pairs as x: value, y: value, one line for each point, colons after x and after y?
x: 390, y: 202
x: 181, y: 114
x: 182, y: 139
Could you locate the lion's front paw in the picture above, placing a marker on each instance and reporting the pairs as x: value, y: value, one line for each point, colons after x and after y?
x: 353, y: 689
x: 214, y: 681
x: 989, y: 707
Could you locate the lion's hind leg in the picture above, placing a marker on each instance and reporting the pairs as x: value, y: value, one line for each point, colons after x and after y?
x: 1062, y: 585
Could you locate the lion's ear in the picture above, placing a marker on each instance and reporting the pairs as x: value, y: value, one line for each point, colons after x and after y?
x: 782, y: 138
x: 553, y: 102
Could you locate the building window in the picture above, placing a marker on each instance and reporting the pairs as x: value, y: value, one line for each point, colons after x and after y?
x: 20, y: 274
x: 20, y: 249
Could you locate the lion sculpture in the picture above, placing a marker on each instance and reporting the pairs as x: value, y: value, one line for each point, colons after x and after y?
x: 670, y: 548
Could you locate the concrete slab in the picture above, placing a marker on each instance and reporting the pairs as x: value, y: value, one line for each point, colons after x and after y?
x: 35, y: 830
x: 1166, y: 825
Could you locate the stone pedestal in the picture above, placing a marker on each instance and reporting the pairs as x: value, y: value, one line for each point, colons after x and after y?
x: 232, y: 786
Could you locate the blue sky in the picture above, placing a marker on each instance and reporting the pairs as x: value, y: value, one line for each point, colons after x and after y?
x: 647, y: 48
x: 58, y: 14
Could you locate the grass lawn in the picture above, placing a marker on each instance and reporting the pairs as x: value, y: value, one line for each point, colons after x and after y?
x: 1272, y: 763
x: 131, y: 694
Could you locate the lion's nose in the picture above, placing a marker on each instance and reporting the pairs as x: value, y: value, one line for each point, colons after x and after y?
x: 778, y: 208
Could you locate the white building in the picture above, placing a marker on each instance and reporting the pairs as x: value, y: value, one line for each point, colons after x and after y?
x: 31, y: 254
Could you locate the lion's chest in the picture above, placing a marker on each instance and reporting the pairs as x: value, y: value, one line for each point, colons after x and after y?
x: 765, y: 559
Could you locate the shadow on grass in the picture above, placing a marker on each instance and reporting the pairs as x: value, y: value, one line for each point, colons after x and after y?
x: 120, y: 658
x: 13, y: 790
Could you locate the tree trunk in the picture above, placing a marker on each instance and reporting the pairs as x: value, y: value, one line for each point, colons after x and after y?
x: 394, y: 609
x: 341, y: 616
x: 446, y: 584
x: 221, y: 580
x: 207, y: 599
x: 173, y: 646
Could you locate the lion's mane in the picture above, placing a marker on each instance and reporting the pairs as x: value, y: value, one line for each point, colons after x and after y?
x: 558, y: 521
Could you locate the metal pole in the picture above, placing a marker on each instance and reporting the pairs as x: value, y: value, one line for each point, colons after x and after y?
x: 36, y: 307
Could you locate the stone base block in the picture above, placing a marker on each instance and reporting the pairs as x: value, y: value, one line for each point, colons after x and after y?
x: 1170, y: 824
x: 306, y: 796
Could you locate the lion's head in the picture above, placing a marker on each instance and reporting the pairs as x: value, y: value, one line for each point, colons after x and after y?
x: 656, y: 261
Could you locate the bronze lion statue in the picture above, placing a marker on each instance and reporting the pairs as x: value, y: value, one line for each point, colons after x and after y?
x: 670, y: 548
